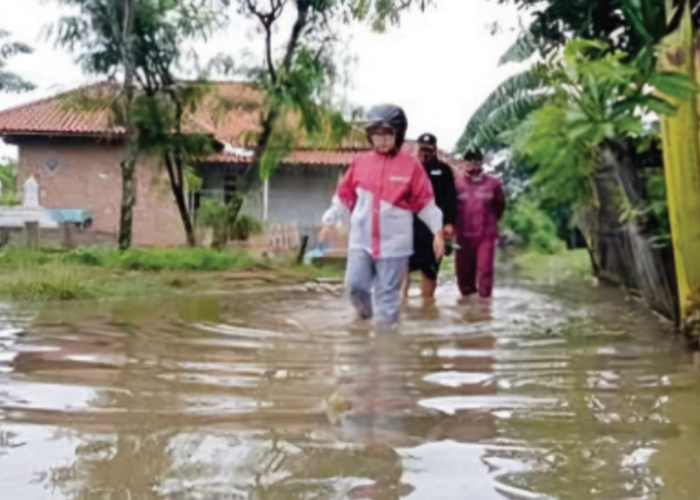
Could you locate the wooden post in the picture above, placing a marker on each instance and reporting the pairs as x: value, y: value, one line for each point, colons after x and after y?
x: 302, y: 248
x: 68, y: 240
x: 32, y: 229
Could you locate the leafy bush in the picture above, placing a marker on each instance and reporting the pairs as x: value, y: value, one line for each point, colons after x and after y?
x: 533, y: 226
x: 226, y: 221
x: 94, y: 256
x: 244, y: 227
x: 658, y: 222
x: 8, y: 177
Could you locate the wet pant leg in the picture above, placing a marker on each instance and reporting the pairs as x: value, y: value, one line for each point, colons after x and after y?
x: 484, y: 266
x: 465, y: 266
x: 359, y: 280
x: 390, y: 273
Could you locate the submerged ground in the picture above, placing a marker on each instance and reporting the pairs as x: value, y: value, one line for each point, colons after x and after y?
x: 558, y: 389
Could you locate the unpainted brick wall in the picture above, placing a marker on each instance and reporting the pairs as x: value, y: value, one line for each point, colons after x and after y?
x: 88, y: 176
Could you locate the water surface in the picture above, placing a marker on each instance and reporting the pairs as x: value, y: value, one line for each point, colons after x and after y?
x: 568, y: 392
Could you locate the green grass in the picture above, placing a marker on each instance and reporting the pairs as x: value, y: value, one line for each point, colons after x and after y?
x: 63, y: 281
x: 568, y: 264
x: 28, y: 274
x: 195, y: 259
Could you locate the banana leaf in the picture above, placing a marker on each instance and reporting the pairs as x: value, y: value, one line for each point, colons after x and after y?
x: 681, y: 145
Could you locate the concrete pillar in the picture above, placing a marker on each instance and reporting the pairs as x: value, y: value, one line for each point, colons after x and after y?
x: 68, y: 241
x: 32, y: 229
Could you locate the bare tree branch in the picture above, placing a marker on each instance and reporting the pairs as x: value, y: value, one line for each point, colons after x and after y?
x: 303, y: 7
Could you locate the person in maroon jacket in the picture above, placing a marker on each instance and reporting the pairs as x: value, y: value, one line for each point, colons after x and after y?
x: 480, y: 205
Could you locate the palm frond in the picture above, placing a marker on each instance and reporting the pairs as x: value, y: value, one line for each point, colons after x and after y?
x: 514, y: 99
x: 523, y: 48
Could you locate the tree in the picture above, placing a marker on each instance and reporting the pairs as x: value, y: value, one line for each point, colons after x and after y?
x: 142, y: 41
x: 8, y: 181
x: 631, y: 28
x: 506, y: 107
x: 10, y: 82
x: 562, y: 115
x: 297, y: 83
x: 628, y: 25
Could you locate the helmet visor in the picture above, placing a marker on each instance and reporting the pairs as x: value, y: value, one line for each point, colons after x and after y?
x: 380, y: 128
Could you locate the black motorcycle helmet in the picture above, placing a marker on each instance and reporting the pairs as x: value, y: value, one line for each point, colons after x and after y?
x: 387, y: 115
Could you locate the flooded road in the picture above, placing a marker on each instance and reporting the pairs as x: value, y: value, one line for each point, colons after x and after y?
x: 568, y: 392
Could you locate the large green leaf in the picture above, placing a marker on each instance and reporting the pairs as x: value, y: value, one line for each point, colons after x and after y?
x: 674, y: 84
x: 523, y: 48
x: 509, y: 103
x: 659, y: 106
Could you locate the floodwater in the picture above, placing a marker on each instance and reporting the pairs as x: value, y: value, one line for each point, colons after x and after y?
x: 567, y: 392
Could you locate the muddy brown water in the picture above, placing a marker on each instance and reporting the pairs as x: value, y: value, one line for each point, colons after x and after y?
x: 567, y: 392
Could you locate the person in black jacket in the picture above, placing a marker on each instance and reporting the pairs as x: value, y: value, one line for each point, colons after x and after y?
x: 443, y: 182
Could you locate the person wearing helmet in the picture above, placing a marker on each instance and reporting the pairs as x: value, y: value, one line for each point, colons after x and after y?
x: 379, y: 193
x: 480, y: 205
x: 443, y: 183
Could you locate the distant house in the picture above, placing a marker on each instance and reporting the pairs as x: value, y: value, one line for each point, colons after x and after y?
x: 74, y: 156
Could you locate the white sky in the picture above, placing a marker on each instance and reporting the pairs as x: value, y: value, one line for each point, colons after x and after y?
x: 439, y: 65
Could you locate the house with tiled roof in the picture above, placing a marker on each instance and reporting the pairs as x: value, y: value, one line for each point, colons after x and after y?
x: 74, y: 155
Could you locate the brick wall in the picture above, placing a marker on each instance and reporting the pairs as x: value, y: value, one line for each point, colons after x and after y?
x: 88, y: 176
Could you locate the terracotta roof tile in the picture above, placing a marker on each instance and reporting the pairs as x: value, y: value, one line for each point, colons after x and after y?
x: 338, y: 157
x: 55, y: 116
x: 229, y: 116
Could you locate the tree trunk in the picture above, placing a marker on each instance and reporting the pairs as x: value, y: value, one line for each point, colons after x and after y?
x: 126, y: 216
x: 175, y: 175
x: 128, y: 165
x: 267, y: 126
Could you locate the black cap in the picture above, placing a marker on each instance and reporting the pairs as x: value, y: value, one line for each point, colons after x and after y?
x: 473, y: 154
x: 428, y: 140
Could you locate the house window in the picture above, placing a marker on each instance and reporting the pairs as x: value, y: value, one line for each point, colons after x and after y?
x: 219, y: 182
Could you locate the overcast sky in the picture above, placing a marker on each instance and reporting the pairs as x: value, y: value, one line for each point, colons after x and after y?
x: 439, y: 65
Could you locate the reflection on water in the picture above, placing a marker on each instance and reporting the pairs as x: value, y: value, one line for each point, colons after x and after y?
x: 569, y: 393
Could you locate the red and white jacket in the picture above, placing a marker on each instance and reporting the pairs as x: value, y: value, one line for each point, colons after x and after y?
x: 381, y: 193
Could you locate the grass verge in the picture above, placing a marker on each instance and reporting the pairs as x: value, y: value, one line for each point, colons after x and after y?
x: 569, y: 264
x: 96, y: 273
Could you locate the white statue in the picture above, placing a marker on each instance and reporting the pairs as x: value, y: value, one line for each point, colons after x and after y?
x: 30, y: 199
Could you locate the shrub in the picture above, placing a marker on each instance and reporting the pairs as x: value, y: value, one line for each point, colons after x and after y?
x: 93, y: 256
x: 244, y: 227
x: 533, y: 226
x: 226, y: 221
